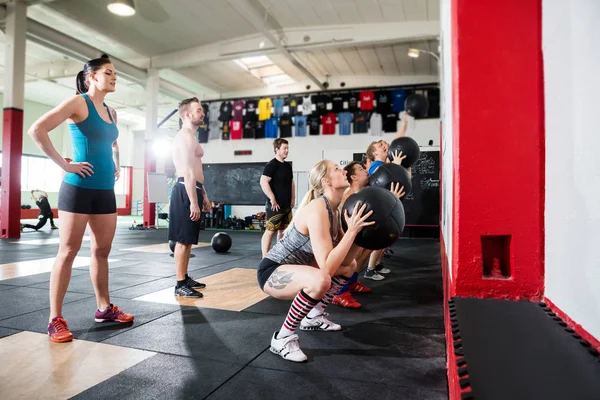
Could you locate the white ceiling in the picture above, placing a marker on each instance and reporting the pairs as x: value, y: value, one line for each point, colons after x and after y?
x: 194, y: 43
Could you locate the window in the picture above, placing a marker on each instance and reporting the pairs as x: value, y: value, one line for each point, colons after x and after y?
x: 266, y: 70
x: 122, y: 185
x: 40, y: 173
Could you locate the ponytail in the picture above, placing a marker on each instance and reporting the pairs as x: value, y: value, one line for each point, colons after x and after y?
x: 89, y: 67
x: 308, y: 197
x: 316, y: 174
x: 81, y: 83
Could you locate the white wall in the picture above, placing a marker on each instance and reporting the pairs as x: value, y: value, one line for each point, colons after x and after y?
x: 446, y: 114
x: 307, y: 151
x: 571, y: 49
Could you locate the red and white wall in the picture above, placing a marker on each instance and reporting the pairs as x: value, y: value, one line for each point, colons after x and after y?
x: 571, y: 48
x: 520, y: 165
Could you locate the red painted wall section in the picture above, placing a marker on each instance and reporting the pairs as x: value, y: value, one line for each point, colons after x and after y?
x: 149, y: 166
x: 12, y: 151
x: 498, y: 141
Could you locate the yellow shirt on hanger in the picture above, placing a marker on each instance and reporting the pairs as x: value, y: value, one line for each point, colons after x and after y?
x: 264, y: 109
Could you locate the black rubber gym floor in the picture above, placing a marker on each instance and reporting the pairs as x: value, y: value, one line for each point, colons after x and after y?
x: 391, y: 348
x: 521, y: 350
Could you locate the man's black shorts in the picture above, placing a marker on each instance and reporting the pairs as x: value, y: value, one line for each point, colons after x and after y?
x: 79, y: 200
x: 181, y: 228
x: 277, y: 220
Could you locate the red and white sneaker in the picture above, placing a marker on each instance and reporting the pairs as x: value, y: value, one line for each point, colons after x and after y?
x: 358, y: 287
x: 345, y: 300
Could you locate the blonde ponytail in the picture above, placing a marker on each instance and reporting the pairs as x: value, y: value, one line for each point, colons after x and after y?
x: 315, y: 176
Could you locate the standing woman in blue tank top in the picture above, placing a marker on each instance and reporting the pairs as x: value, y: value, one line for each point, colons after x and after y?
x: 87, y: 195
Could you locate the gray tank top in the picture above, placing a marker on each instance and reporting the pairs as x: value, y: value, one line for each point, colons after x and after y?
x: 295, y: 247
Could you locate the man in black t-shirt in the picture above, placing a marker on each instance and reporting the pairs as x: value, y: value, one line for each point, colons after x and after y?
x: 45, y: 211
x: 277, y: 182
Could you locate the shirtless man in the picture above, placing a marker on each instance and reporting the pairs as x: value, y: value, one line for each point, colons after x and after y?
x: 184, y: 208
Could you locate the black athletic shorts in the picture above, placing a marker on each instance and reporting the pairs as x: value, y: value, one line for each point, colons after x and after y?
x: 277, y: 220
x: 181, y: 228
x: 264, y: 271
x: 79, y: 200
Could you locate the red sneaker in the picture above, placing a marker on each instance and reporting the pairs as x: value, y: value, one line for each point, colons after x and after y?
x: 59, y: 331
x: 345, y: 300
x: 358, y: 287
x: 113, y: 314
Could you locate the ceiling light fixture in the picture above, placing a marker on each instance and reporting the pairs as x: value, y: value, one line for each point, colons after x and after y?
x: 122, y: 8
x: 415, y: 53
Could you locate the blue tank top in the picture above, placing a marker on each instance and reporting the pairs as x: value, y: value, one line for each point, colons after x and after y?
x: 92, y: 141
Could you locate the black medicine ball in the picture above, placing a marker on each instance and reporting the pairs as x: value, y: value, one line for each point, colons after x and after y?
x: 389, y: 173
x: 416, y: 105
x: 409, y: 148
x: 221, y: 242
x: 388, y: 214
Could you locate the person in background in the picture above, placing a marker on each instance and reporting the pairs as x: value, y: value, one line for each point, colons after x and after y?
x: 277, y: 183
x: 187, y: 195
x: 358, y: 178
x: 45, y: 211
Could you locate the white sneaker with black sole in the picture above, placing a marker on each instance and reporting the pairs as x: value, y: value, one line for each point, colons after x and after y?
x: 288, y: 348
x: 319, y: 323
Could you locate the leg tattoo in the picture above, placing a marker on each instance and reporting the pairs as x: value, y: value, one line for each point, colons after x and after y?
x: 280, y: 279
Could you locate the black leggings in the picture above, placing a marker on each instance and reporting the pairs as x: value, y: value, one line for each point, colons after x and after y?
x: 41, y: 222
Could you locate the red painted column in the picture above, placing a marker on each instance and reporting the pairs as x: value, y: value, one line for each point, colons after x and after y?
x: 12, y: 130
x: 129, y: 193
x: 149, y: 166
x: 12, y: 152
x: 498, y: 149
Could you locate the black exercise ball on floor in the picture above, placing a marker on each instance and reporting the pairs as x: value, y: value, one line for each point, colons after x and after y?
x: 409, y: 148
x: 416, y: 105
x: 172, y: 244
x: 388, y: 214
x: 221, y: 242
x: 389, y: 173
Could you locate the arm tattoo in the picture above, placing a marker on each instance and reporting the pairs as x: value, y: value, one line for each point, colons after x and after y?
x: 280, y: 279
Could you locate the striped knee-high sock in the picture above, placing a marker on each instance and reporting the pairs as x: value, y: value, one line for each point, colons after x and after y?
x: 300, y: 307
x: 337, y: 282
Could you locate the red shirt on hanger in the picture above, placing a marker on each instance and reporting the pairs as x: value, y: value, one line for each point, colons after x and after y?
x: 366, y: 100
x: 328, y: 121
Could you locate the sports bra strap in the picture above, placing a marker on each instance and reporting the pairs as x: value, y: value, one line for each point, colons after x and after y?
x: 330, y: 215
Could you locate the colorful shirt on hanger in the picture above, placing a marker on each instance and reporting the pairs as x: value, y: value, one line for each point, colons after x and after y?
x: 285, y: 126
x: 300, y: 125
x: 328, y: 121
x: 345, y: 120
x: 251, y: 111
x: 278, y: 107
x: 271, y: 128
x: 236, y: 129
x: 361, y: 124
x: 398, y: 98
x: 366, y: 100
x: 238, y: 110
x: 375, y: 124
x: 264, y: 108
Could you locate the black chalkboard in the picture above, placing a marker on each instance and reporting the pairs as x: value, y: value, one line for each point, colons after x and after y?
x: 235, y: 183
x: 422, y: 205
